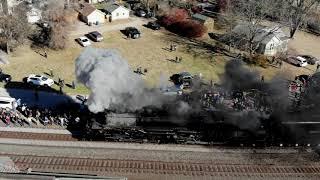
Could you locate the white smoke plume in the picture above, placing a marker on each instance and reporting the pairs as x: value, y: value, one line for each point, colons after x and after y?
x: 112, y: 83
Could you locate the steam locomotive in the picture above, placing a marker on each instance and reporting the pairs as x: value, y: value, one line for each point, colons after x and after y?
x: 248, y: 122
x: 156, y: 125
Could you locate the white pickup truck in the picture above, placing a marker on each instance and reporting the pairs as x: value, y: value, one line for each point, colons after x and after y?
x: 297, y: 60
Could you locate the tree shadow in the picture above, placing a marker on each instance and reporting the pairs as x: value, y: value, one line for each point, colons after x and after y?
x: 197, y: 47
x: 167, y: 49
x: 25, y: 86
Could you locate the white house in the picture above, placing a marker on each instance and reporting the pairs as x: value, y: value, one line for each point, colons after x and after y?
x: 115, y: 12
x: 273, y: 41
x: 34, y: 15
x: 269, y: 40
x: 91, y: 15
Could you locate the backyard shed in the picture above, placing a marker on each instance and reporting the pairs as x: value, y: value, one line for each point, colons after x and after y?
x: 208, y: 22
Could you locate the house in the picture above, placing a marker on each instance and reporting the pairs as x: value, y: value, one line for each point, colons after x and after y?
x: 208, y: 22
x: 91, y: 15
x: 34, y: 15
x: 268, y: 40
x: 115, y: 12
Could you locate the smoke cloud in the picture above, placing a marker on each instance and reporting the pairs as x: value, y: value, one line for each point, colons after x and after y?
x: 272, y: 94
x: 112, y: 83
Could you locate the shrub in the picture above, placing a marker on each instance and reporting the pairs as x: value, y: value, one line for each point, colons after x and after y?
x: 173, y: 16
x: 188, y: 28
x: 260, y: 60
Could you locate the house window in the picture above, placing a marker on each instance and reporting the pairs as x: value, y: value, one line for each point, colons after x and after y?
x: 117, y: 14
x: 271, y: 46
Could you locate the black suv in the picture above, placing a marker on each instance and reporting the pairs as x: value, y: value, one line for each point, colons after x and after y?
x: 4, y: 77
x: 95, y: 35
x: 153, y: 25
x: 132, y: 32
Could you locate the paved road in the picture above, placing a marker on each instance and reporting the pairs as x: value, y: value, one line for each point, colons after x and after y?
x: 34, y: 130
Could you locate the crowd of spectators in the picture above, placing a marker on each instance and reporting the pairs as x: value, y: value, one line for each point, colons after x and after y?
x: 28, y: 116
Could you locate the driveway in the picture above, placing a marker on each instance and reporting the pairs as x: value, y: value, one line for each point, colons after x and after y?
x: 81, y: 28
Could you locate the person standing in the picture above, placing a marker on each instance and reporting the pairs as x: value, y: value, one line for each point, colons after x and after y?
x: 45, y: 54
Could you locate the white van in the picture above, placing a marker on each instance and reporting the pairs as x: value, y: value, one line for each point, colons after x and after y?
x: 8, y: 102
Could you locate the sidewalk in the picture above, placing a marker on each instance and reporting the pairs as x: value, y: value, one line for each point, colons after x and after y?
x: 35, y: 130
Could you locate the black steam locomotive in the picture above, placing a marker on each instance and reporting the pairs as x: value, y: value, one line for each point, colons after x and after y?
x: 247, y: 121
x: 206, y: 127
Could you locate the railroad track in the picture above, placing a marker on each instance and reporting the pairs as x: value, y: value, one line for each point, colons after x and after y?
x: 38, y: 136
x: 103, y: 166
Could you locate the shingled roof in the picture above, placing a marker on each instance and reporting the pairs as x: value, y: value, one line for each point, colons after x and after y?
x: 199, y: 17
x: 87, y: 10
x: 110, y: 8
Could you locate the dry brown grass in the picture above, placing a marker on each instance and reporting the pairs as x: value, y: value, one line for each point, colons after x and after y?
x: 148, y: 52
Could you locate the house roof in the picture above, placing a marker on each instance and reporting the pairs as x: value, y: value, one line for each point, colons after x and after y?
x: 87, y: 10
x: 111, y: 7
x: 199, y: 17
x: 263, y: 34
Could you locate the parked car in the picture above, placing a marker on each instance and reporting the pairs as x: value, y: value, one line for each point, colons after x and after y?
x: 141, y: 13
x: 153, y: 25
x: 310, y: 59
x: 298, y: 61
x: 8, y: 102
x: 39, y: 80
x: 183, y: 78
x: 96, y: 36
x: 83, y: 41
x: 5, y: 77
x: 149, y: 14
x: 132, y: 32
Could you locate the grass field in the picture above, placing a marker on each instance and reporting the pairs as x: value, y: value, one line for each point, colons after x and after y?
x: 150, y: 51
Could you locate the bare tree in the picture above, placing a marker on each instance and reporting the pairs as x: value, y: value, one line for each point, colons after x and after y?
x: 250, y: 13
x: 14, y: 27
x: 56, y: 16
x: 295, y: 12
